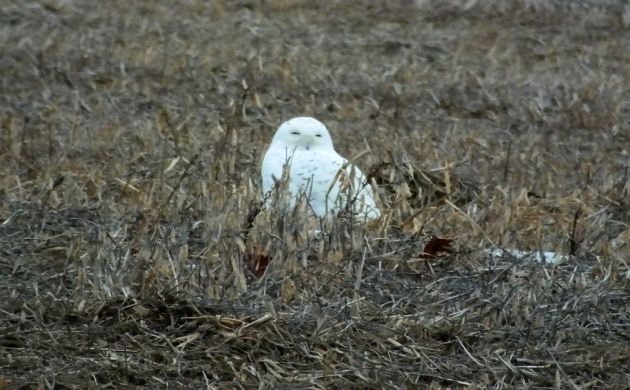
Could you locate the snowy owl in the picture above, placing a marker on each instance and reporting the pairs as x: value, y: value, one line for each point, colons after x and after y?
x: 302, y: 153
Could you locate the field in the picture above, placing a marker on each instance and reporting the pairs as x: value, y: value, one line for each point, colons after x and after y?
x: 134, y: 251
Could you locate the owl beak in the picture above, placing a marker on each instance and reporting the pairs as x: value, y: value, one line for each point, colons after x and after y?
x: 308, y: 146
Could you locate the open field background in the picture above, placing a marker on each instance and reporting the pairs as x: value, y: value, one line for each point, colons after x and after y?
x: 130, y: 140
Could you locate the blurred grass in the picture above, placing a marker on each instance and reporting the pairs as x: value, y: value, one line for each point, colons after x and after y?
x: 130, y: 140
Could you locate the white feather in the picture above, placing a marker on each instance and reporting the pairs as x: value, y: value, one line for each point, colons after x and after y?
x: 315, y: 170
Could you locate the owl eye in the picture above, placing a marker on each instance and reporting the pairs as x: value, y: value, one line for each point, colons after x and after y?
x: 318, y: 135
x: 295, y: 132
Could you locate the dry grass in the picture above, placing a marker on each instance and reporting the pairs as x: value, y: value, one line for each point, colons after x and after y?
x: 130, y: 141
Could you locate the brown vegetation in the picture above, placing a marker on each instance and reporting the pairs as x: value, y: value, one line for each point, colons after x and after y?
x: 133, y: 251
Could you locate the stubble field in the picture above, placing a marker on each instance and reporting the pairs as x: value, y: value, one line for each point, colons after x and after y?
x: 133, y: 252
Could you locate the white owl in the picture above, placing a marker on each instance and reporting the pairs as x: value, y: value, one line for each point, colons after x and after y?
x: 304, y: 148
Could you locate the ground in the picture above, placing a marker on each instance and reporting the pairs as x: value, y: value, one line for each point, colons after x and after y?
x: 134, y: 253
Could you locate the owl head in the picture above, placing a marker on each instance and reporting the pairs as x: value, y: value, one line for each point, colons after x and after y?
x: 303, y: 133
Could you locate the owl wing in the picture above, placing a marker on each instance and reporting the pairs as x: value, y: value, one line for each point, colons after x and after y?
x: 338, y: 182
x: 272, y: 167
x: 353, y: 187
